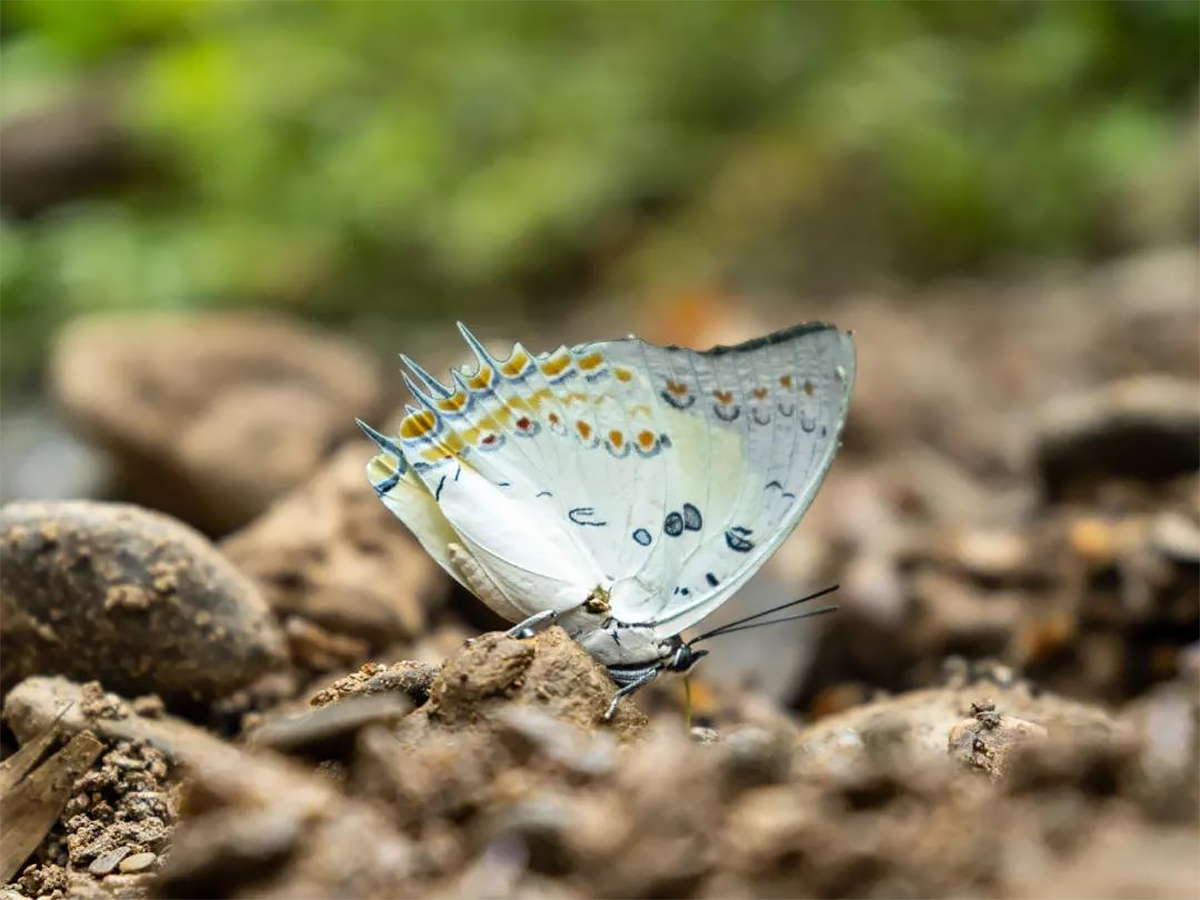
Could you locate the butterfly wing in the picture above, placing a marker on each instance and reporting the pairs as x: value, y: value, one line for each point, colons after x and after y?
x: 665, y: 474
x: 758, y: 426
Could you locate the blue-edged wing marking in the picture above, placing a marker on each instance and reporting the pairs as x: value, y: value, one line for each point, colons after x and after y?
x: 737, y: 540
x: 581, y: 515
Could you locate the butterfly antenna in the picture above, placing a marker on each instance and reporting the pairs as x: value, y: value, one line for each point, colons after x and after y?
x: 766, y: 612
x: 807, y: 615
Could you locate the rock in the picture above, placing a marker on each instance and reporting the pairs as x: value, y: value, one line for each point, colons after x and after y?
x: 37, y: 702
x: 410, y: 678
x: 1167, y: 722
x: 139, y: 862
x: 990, y: 554
x: 106, y: 862
x: 528, y: 731
x: 130, y: 597
x: 549, y: 671
x: 329, y: 731
x: 928, y: 724
x: 259, y: 825
x: 1176, y: 537
x: 1145, y: 427
x: 314, y: 648
x: 986, y: 740
x: 333, y: 554
x: 211, y: 416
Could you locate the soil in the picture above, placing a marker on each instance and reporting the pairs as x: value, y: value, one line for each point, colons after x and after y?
x: 1007, y: 703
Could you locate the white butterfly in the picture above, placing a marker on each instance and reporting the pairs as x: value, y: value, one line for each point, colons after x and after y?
x: 620, y: 489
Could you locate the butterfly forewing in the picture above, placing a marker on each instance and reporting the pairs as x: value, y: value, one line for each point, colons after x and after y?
x: 799, y: 383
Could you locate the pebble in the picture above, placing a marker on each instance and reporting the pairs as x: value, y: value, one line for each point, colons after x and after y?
x: 106, y: 862
x: 128, y: 597
x: 139, y: 862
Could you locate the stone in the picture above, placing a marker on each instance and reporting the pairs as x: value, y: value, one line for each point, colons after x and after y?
x: 129, y: 597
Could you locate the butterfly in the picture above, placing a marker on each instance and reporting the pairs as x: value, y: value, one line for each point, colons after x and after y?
x: 620, y: 489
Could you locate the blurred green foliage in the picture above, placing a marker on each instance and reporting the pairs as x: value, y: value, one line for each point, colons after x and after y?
x: 408, y: 160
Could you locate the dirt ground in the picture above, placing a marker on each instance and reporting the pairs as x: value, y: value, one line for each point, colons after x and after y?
x: 1006, y: 704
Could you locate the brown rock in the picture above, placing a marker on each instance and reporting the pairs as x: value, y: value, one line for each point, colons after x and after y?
x: 258, y: 825
x: 411, y: 678
x: 211, y: 416
x: 332, y: 553
x: 312, y: 647
x: 1145, y: 427
x: 924, y: 724
x: 36, y: 703
x: 548, y: 671
x: 987, y: 739
x: 328, y: 731
x: 130, y: 597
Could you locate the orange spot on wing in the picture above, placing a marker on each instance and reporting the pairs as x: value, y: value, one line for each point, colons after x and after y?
x: 482, y: 380
x: 724, y: 397
x: 454, y: 402
x: 591, y: 361
x: 616, y: 438
x: 417, y: 424
x: 516, y: 365
x: 786, y: 381
x: 622, y: 374
x: 808, y: 387
x: 584, y: 429
x: 553, y: 418
x: 556, y: 364
x: 676, y: 388
x: 646, y: 439
x: 760, y: 392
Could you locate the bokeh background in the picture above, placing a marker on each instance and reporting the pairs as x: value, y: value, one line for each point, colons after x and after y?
x: 220, y: 221
x: 381, y: 166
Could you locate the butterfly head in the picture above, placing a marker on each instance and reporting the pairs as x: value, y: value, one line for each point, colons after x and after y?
x: 681, y: 657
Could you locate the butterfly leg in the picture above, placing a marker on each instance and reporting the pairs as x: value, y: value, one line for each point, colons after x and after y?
x: 539, y: 621
x: 628, y: 689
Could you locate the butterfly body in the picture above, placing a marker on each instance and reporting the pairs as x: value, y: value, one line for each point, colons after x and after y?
x: 620, y: 489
